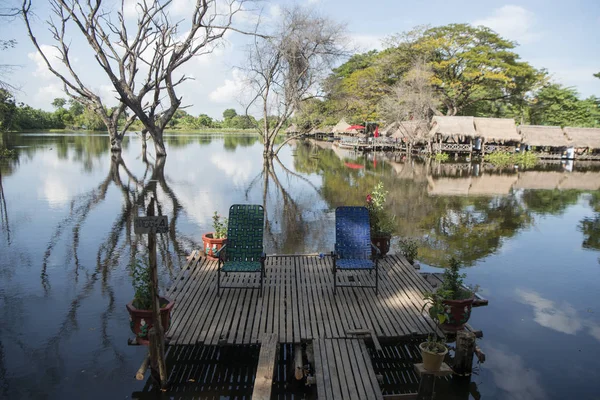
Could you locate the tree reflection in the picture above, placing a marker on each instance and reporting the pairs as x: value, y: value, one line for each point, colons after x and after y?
x: 553, y: 202
x: 468, y: 228
x: 590, y: 226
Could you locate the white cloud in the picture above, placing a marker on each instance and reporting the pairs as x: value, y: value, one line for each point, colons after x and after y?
x: 364, y: 43
x: 230, y: 89
x: 41, y: 69
x: 130, y: 8
x: 513, y: 376
x: 561, y: 318
x: 237, y: 170
x: 512, y: 22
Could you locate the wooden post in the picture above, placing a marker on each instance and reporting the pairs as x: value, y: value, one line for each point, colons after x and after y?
x: 427, y: 382
x: 139, y: 375
x: 298, y: 364
x: 157, y: 338
x: 465, y: 348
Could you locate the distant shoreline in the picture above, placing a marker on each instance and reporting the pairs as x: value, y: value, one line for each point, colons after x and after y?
x: 167, y: 131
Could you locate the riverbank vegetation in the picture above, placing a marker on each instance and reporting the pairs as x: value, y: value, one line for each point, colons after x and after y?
x: 504, y: 159
x: 471, y: 71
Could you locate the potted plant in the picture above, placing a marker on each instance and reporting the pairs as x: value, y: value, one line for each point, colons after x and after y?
x: 140, y: 309
x: 382, y: 224
x: 434, y: 349
x: 213, y: 241
x: 409, y: 249
x: 456, y: 297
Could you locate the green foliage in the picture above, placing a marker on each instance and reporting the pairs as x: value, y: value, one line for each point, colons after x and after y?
x: 380, y: 221
x: 7, y: 153
x: 7, y: 110
x: 141, y: 284
x: 409, y: 248
x: 439, y: 314
x: 452, y: 285
x: 219, y: 226
x: 229, y: 114
x: 59, y: 102
x: 442, y: 157
x: 557, y: 105
x: 504, y: 159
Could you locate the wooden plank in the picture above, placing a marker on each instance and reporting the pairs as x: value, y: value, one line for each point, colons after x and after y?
x: 347, y: 367
x: 263, y: 382
x: 303, y: 312
x: 296, y: 328
x: 326, y: 295
x: 319, y: 367
x: 333, y: 372
x: 360, y: 387
x: 370, y: 370
x: 342, y: 367
x: 316, y: 319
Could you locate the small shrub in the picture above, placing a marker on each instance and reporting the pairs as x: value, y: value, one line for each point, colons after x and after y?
x: 504, y: 159
x: 142, y: 299
x: 219, y: 226
x: 381, y: 222
x: 442, y: 157
x: 409, y: 249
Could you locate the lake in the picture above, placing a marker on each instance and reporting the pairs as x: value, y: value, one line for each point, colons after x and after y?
x: 529, y: 238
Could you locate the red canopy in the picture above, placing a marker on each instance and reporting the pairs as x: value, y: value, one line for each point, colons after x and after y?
x: 376, y: 134
x: 355, y: 127
x: 354, y: 166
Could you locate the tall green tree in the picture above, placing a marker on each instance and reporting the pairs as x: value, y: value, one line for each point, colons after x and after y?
x: 59, y: 102
x: 555, y: 104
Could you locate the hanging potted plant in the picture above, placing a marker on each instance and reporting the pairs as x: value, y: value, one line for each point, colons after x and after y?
x: 434, y: 349
x: 457, y: 298
x: 213, y: 241
x: 382, y: 224
x: 140, y: 309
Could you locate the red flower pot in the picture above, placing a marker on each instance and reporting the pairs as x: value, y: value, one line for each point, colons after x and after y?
x: 382, y: 242
x: 212, y: 246
x: 460, y: 312
x: 140, y: 321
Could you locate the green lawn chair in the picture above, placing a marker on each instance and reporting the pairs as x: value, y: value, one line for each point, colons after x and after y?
x: 243, y: 252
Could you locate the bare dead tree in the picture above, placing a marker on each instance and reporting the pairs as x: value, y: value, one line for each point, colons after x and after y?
x: 286, y: 68
x: 412, y: 102
x: 140, y: 61
x: 73, y: 85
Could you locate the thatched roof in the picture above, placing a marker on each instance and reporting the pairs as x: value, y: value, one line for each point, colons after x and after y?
x: 539, y: 180
x: 340, y: 127
x: 584, y: 137
x: 293, y: 128
x: 490, y: 185
x: 452, y: 126
x: 389, y: 129
x: 497, y: 129
x: 414, y: 131
x: 536, y: 135
x: 324, y: 129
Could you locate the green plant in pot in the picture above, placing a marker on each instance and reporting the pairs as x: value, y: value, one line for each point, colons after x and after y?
x: 434, y: 349
x: 409, y: 249
x: 213, y: 241
x: 456, y: 297
x: 140, y: 308
x: 382, y: 224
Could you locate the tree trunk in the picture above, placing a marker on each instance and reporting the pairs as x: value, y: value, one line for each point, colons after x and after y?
x: 115, y: 139
x: 268, y: 149
x: 159, y: 144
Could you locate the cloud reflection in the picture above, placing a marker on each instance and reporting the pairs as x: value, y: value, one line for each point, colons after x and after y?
x: 561, y: 318
x: 513, y: 376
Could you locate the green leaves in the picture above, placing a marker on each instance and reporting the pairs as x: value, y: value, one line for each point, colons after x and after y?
x: 141, y: 284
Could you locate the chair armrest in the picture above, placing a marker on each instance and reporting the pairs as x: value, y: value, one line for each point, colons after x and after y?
x: 220, y: 253
x: 376, y: 248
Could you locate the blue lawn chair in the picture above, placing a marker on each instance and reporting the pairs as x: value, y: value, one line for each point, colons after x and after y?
x: 353, y: 247
x: 244, y: 249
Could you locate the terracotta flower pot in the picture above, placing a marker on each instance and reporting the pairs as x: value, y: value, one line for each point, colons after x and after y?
x: 140, y: 321
x: 382, y: 242
x: 211, y: 245
x: 459, y: 313
x: 432, y: 361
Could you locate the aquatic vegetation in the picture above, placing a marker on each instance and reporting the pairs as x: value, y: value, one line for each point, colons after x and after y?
x: 503, y: 159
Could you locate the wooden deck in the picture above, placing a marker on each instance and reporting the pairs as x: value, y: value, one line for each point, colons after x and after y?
x: 343, y: 370
x: 297, y: 303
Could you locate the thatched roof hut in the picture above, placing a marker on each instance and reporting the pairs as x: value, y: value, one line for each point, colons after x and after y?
x: 292, y: 129
x: 452, y: 127
x: 584, y: 137
x: 497, y: 130
x: 413, y: 131
x: 389, y: 129
x: 340, y: 127
x: 543, y: 136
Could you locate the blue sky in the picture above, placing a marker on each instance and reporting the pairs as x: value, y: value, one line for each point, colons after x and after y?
x: 562, y: 36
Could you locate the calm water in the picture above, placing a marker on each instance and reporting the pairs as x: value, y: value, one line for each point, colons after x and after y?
x: 530, y: 239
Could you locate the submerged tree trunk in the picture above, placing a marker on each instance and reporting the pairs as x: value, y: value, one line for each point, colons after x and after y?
x: 159, y: 144
x: 115, y: 140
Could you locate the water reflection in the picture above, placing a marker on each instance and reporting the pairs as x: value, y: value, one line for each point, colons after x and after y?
x: 559, y: 317
x: 512, y: 376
